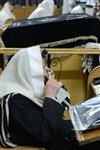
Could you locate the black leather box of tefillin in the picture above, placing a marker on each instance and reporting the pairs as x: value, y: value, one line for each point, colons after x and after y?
x: 30, y: 32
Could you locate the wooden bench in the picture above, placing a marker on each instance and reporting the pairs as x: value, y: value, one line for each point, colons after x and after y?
x: 22, y: 148
x: 88, y: 136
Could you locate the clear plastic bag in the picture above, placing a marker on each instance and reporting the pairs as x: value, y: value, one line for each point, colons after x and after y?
x: 86, y: 115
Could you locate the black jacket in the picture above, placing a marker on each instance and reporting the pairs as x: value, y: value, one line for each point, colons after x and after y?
x: 25, y: 123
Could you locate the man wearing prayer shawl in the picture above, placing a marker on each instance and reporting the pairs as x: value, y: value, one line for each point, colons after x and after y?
x: 31, y: 112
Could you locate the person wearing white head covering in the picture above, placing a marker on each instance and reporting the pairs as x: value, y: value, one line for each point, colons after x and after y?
x: 6, y: 14
x: 30, y: 113
x: 18, y: 79
x: 44, y: 9
x: 77, y: 9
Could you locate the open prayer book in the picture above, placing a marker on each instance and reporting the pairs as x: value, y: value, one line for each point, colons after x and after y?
x: 85, y: 115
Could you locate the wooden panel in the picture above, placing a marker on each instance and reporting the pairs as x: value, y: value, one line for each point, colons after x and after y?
x: 57, y: 11
x: 88, y: 136
x: 22, y: 148
x: 1, y: 70
x: 70, y: 74
x: 56, y: 51
x: 19, y: 12
x: 69, y: 71
x: 22, y: 12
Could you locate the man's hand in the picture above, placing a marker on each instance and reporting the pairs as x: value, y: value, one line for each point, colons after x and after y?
x: 52, y: 87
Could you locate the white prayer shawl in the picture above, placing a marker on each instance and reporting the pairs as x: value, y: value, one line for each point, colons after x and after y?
x: 91, y: 2
x: 24, y: 75
x: 77, y: 9
x: 44, y: 9
x: 5, y: 14
x: 67, y: 6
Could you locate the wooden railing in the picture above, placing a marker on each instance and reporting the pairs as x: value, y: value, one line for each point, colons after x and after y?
x: 55, y: 51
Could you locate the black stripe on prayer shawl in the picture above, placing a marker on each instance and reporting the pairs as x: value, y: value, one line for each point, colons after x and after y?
x: 4, y: 136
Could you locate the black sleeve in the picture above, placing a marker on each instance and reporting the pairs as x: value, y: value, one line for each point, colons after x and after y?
x: 53, y: 112
x: 30, y: 123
